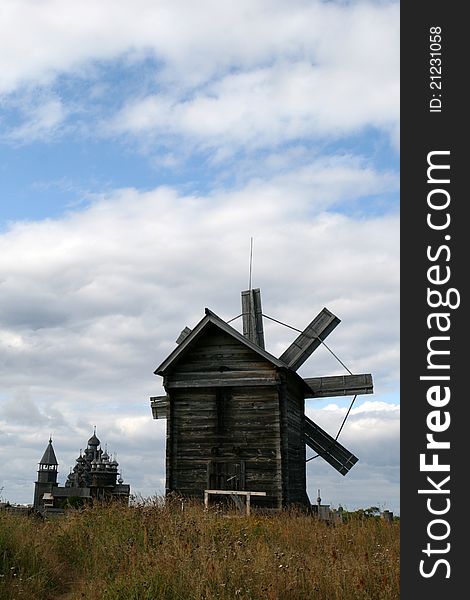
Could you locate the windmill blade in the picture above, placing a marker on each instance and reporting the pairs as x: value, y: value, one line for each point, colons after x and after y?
x: 253, y: 316
x: 339, y: 385
x: 309, y: 340
x: 159, y: 406
x: 328, y: 448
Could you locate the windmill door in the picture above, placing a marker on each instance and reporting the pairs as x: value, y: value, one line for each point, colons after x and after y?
x: 226, y: 475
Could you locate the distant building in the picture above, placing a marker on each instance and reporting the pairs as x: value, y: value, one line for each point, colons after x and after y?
x: 95, y: 476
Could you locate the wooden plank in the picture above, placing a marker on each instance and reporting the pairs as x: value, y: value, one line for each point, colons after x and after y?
x: 252, y: 317
x: 328, y: 448
x: 250, y: 437
x: 235, y: 493
x: 159, y: 405
x: 183, y: 335
x: 309, y: 340
x: 222, y: 373
x: 259, y: 331
x: 217, y: 352
x: 208, y: 382
x: 248, y: 316
x: 339, y: 385
x: 296, y: 486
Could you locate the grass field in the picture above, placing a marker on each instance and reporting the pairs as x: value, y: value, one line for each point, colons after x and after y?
x: 155, y: 552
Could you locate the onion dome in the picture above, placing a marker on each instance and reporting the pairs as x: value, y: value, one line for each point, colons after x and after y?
x: 94, y: 441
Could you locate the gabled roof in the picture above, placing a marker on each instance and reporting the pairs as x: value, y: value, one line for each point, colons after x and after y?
x: 212, y: 318
x: 48, y: 457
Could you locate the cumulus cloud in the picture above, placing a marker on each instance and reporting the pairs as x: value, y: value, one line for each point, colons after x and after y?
x: 249, y: 74
x: 266, y: 107
x: 194, y: 41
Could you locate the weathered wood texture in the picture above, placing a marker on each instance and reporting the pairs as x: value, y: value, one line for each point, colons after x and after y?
x: 218, y: 359
x: 303, y: 346
x: 252, y: 316
x: 236, y: 417
x: 159, y: 405
x: 295, y: 491
x: 183, y: 335
x: 235, y: 495
x: 328, y: 448
x: 339, y: 385
x: 233, y: 436
x: 223, y: 426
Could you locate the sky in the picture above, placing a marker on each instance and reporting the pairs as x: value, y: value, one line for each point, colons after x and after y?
x: 143, y: 144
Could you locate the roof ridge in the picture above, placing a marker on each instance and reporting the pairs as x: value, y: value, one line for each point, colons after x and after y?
x: 211, y: 317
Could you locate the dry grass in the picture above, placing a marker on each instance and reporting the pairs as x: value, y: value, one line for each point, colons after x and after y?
x: 158, y: 553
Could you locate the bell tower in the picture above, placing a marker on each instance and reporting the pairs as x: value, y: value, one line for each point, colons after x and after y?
x: 47, y: 475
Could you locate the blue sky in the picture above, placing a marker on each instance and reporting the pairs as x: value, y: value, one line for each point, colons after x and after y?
x: 142, y: 145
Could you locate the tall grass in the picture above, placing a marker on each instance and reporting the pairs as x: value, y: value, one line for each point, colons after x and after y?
x: 155, y: 552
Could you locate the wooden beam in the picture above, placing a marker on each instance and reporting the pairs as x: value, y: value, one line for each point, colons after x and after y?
x: 328, y: 448
x: 309, y: 340
x: 212, y: 382
x: 339, y: 385
x: 159, y: 406
x: 233, y: 493
x: 252, y: 315
x: 183, y: 335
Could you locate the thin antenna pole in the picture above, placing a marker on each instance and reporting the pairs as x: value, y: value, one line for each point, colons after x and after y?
x: 251, y: 261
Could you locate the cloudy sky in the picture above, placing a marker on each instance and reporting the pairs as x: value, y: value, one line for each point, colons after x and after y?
x: 142, y: 144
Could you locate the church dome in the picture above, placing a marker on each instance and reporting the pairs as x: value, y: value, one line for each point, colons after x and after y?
x: 94, y: 441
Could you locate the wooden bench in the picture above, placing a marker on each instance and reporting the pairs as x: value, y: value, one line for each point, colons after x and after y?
x: 246, y: 494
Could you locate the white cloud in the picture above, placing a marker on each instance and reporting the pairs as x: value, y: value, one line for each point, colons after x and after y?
x: 268, y: 106
x: 42, y: 121
x: 193, y: 40
x: 252, y: 73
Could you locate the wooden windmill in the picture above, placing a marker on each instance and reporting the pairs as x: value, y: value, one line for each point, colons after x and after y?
x: 236, y: 413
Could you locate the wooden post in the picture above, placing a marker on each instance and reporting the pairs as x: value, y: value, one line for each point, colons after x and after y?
x: 253, y: 317
x: 248, y: 504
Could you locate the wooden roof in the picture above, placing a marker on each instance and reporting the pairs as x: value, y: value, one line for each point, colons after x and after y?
x: 212, y: 318
x: 49, y: 457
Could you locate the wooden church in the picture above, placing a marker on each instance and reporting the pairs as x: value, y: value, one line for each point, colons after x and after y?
x: 236, y: 413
